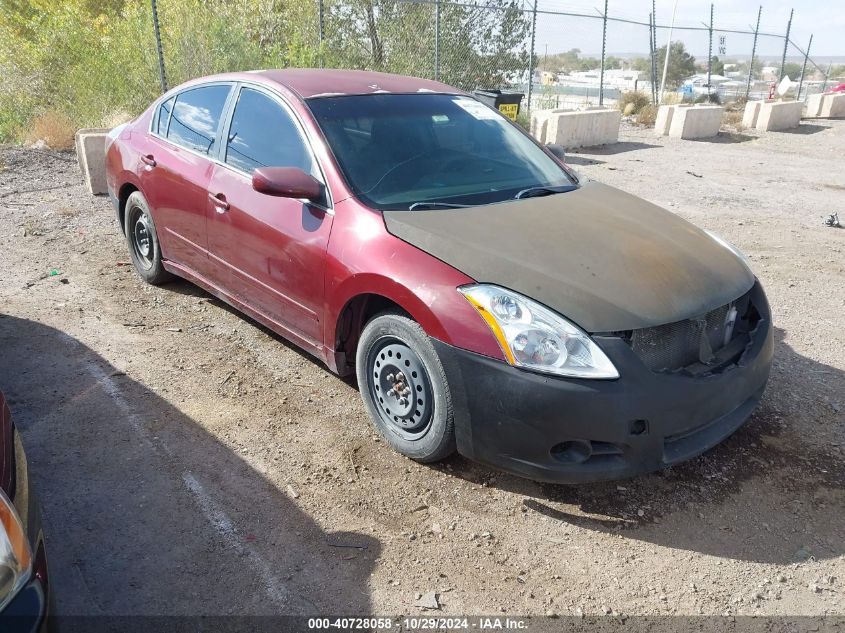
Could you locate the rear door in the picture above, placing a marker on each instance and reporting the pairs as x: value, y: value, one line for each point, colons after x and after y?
x: 270, y: 250
x: 177, y: 167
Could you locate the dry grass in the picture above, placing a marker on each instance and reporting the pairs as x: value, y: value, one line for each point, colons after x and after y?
x: 647, y: 115
x: 732, y: 118
x: 54, y: 128
x: 116, y: 118
x: 632, y: 102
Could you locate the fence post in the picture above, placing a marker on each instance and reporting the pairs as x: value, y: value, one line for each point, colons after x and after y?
x: 437, y: 40
x: 651, y: 55
x: 531, y: 55
x: 603, y: 49
x: 654, y: 48
x: 710, y: 53
x: 804, y: 69
x: 320, y: 28
x: 753, y: 52
x: 161, y: 74
x: 786, y: 44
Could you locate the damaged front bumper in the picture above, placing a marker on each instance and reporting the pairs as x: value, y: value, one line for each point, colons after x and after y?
x: 574, y: 430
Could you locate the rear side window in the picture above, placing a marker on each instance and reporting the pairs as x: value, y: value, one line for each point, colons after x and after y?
x: 164, y: 116
x: 196, y: 116
x: 263, y: 134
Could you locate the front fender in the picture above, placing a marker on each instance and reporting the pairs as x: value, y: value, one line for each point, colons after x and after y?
x: 364, y: 259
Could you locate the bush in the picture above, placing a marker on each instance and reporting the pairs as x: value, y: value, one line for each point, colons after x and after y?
x: 711, y: 98
x: 647, y: 116
x: 633, y: 98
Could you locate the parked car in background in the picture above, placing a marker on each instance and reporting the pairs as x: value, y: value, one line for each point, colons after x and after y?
x: 839, y: 88
x: 24, y: 589
x: 488, y: 299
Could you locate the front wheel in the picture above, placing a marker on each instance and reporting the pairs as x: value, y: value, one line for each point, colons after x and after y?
x: 404, y: 388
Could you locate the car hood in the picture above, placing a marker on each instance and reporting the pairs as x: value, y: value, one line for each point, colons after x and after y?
x: 605, y: 259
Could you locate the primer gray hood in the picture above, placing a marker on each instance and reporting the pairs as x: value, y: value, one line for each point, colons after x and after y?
x: 605, y: 259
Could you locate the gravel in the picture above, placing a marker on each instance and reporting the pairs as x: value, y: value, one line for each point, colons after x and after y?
x: 189, y: 461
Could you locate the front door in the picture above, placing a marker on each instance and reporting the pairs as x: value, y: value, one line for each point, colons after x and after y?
x: 269, y: 250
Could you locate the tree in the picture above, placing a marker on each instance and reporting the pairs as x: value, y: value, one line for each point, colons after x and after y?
x: 791, y: 70
x: 480, y: 46
x: 716, y: 66
x: 742, y: 67
x: 641, y: 63
x: 681, y: 64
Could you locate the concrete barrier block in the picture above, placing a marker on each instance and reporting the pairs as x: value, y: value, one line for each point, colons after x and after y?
x: 583, y: 128
x: 664, y: 119
x: 752, y: 111
x: 833, y: 106
x: 91, y: 154
x: 700, y: 121
x: 814, y: 105
x: 539, y: 124
x: 779, y: 115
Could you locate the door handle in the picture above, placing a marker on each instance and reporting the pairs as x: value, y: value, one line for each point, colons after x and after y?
x: 220, y: 204
x: 148, y: 159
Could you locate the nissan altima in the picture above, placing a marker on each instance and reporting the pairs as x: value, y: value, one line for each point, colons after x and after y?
x: 489, y: 300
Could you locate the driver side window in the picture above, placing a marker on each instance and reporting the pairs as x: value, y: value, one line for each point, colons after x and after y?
x: 263, y: 134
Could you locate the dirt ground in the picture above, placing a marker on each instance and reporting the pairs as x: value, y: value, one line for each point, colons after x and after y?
x: 189, y: 461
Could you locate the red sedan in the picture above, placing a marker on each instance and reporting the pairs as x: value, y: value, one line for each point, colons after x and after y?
x: 488, y: 301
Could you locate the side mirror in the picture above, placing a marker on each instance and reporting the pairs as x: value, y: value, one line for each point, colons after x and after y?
x: 557, y: 151
x: 286, y: 182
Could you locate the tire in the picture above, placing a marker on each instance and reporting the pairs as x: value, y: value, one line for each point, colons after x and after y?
x: 142, y: 240
x: 423, y: 428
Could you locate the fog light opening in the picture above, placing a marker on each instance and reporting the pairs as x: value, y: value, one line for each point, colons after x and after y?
x: 572, y: 451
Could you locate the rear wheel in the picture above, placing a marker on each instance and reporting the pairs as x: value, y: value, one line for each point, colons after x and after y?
x: 142, y: 240
x: 404, y: 388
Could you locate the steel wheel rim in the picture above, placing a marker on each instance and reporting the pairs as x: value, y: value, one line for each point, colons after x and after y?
x: 142, y: 238
x: 400, y: 388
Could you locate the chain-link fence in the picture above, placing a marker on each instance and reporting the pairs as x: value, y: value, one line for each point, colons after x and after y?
x: 501, y: 44
x: 89, y: 66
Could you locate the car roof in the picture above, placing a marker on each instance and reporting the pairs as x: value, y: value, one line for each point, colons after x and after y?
x: 317, y: 82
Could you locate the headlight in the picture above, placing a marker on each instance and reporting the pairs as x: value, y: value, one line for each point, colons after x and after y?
x: 15, y: 555
x: 726, y: 244
x: 534, y: 337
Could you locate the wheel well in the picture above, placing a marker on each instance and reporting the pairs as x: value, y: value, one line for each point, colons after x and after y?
x: 125, y: 191
x: 354, y: 316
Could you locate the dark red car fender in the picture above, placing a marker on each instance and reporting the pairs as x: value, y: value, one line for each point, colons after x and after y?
x: 423, y: 286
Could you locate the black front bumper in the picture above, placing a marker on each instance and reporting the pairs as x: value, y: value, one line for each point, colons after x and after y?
x: 574, y: 430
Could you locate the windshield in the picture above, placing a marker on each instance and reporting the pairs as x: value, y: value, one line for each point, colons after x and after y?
x: 431, y: 151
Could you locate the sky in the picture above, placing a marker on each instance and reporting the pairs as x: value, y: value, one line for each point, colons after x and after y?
x: 821, y: 18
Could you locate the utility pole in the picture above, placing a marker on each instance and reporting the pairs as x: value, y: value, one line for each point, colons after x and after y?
x: 531, y: 56
x: 710, y: 54
x: 753, y: 52
x: 804, y: 69
x: 437, y: 41
x: 161, y: 74
x: 786, y: 44
x: 668, y: 50
x: 603, y: 49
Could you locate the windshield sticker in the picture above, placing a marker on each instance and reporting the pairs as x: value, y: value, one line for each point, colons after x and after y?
x: 475, y: 108
x: 439, y: 118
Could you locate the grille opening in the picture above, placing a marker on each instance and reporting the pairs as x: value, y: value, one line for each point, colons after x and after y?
x: 699, y: 346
